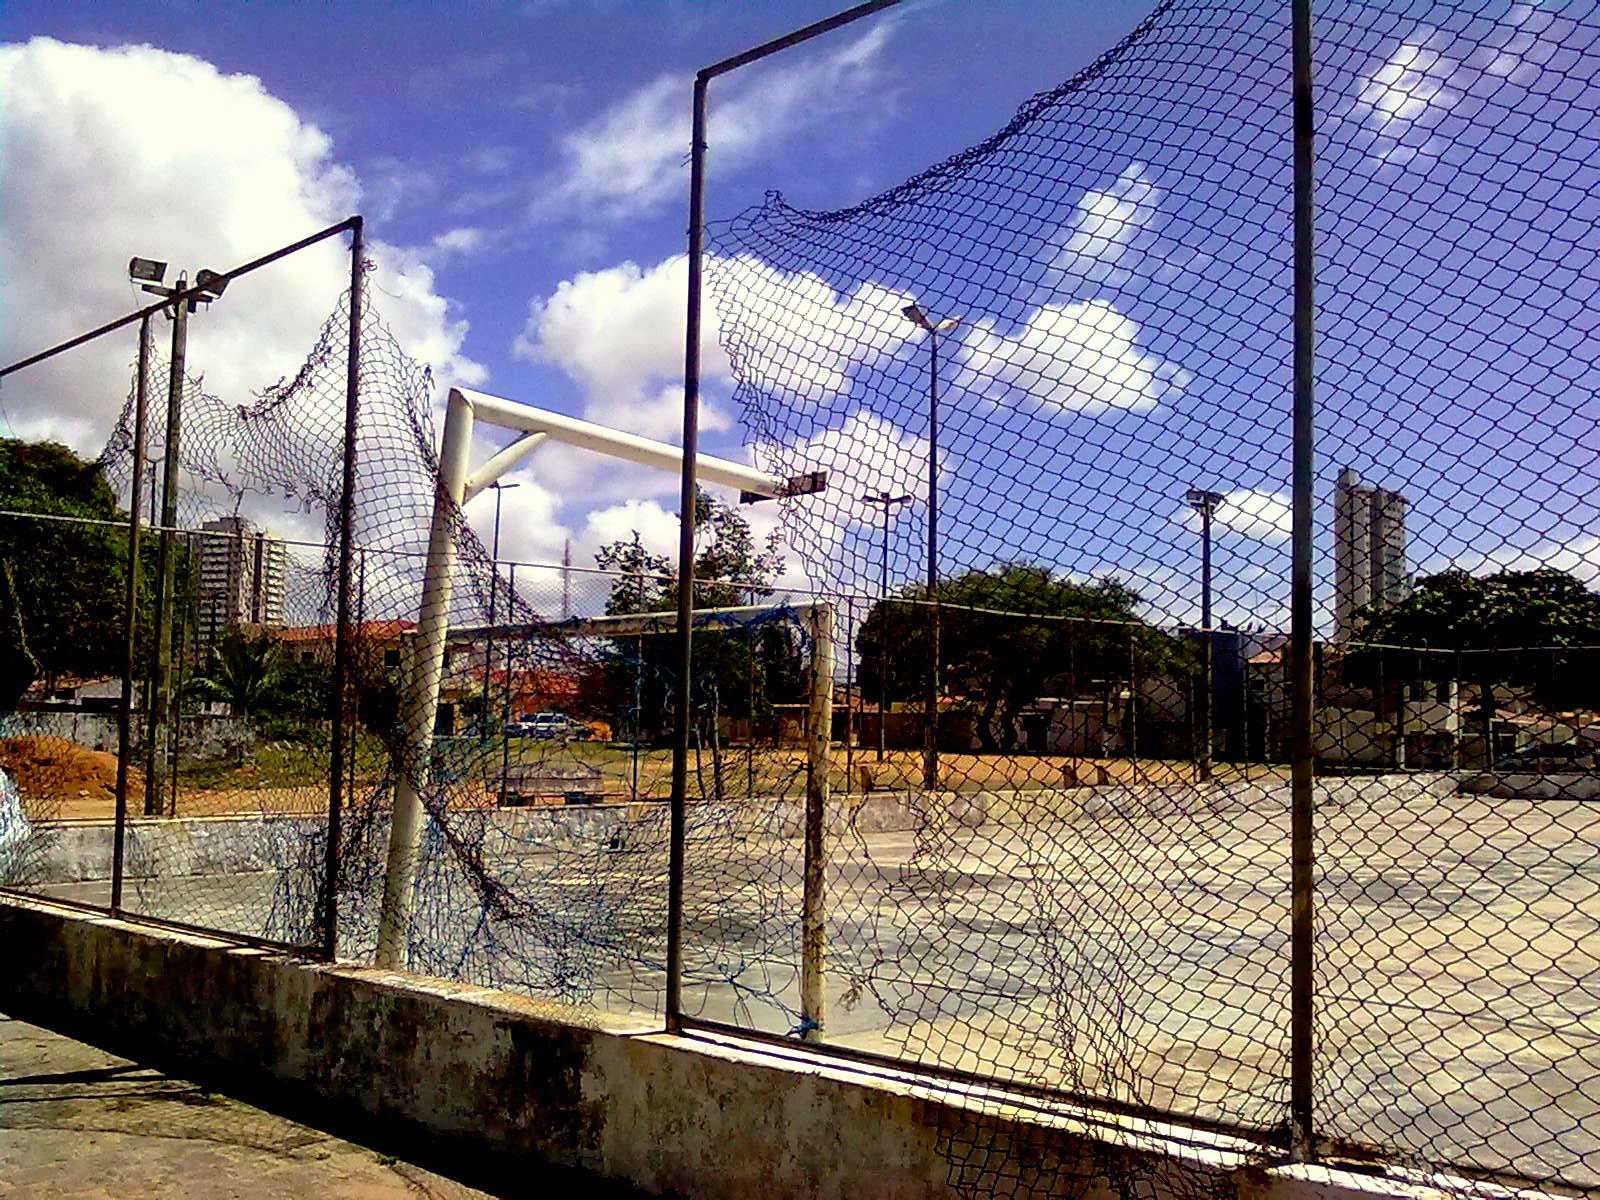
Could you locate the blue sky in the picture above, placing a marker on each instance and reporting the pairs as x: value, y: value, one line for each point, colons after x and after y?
x: 1125, y: 324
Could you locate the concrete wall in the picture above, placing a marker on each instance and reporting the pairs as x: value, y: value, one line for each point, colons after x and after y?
x: 512, y: 1094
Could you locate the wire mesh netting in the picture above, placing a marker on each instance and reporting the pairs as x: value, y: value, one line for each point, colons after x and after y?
x: 1039, y: 704
x: 1050, y: 380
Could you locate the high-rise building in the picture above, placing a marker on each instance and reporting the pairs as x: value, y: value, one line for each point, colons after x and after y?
x: 240, y: 578
x: 1369, y: 537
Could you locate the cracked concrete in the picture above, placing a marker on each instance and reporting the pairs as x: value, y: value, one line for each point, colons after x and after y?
x: 78, y: 1122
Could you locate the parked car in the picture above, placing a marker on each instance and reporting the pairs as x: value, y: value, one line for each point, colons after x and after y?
x: 552, y: 725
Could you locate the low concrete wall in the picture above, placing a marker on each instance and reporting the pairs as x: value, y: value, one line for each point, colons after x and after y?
x: 513, y: 1094
x: 1507, y: 785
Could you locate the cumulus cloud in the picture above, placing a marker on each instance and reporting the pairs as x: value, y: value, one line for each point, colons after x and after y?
x: 1080, y: 357
x: 631, y: 157
x: 93, y: 170
x: 619, y: 333
x: 1102, y: 237
x: 1579, y: 557
x: 1263, y: 516
x: 1409, y: 87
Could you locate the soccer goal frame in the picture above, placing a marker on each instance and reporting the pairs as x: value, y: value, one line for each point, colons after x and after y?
x: 457, y: 483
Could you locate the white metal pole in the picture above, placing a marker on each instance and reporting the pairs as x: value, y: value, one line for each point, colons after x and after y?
x: 814, y: 908
x: 420, y: 698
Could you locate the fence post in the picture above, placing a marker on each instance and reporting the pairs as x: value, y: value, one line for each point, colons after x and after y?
x: 1302, y: 879
x: 814, y: 910
x: 329, y: 916
x: 130, y: 620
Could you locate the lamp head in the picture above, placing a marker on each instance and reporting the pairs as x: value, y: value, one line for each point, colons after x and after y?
x: 146, y: 270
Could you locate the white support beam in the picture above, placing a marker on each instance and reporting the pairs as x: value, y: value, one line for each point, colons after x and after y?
x: 502, y: 462
x: 512, y: 414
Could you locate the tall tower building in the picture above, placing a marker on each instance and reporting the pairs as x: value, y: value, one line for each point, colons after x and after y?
x: 1369, y: 536
x: 240, y: 578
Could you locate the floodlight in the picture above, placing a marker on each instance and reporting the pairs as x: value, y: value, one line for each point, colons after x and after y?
x: 147, y: 269
x: 916, y: 316
x: 1200, y: 499
x: 210, y: 281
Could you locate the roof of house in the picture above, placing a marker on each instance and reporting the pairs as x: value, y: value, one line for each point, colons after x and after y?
x: 327, y: 633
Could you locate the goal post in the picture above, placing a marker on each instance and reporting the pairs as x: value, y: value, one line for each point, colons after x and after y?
x: 424, y: 659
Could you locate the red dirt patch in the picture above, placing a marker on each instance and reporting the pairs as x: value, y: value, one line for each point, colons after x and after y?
x: 53, y: 774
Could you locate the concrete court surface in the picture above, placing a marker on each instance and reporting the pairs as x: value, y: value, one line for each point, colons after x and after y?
x: 78, y: 1122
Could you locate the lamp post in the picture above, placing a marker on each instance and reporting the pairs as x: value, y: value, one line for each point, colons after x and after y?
x: 494, y: 579
x: 888, y: 501
x: 1205, y: 503
x: 208, y: 286
x: 930, y: 752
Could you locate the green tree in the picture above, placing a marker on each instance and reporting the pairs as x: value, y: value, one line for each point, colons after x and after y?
x: 1532, y: 632
x: 63, y: 582
x: 996, y: 652
x: 244, y: 670
x: 739, y: 674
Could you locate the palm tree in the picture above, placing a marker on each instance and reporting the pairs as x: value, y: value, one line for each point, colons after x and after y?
x: 242, y: 670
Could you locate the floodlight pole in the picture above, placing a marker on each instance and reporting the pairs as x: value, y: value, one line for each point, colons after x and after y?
x: 888, y: 502
x: 166, y: 556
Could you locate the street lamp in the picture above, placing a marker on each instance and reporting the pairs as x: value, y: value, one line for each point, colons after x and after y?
x: 494, y: 579
x: 148, y: 273
x: 1205, y: 503
x: 888, y: 502
x: 914, y: 314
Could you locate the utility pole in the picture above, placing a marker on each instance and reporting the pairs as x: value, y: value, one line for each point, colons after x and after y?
x: 930, y: 751
x: 208, y: 286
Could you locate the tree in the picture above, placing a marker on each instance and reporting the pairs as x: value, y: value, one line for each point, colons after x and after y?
x: 998, y: 658
x: 1530, y: 631
x: 734, y: 675
x: 64, y: 594
x: 244, y: 670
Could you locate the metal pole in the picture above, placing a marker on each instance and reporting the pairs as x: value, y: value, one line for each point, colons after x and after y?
x: 814, y: 912
x: 342, y: 645
x: 166, y: 559
x: 691, y: 438
x: 505, y: 699
x: 883, y: 637
x: 494, y: 580
x: 420, y: 690
x: 1302, y: 1008
x: 849, y: 696
x: 130, y: 620
x: 1206, y: 648
x: 930, y: 750
x: 686, y: 501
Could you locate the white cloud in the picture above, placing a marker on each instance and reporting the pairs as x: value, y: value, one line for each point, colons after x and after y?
x: 1579, y: 557
x: 94, y: 169
x: 1263, y: 516
x: 1080, y: 357
x: 1103, y: 234
x: 619, y: 333
x: 632, y: 157
x: 1410, y: 86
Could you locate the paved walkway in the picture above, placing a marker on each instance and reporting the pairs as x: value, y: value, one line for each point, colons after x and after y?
x: 77, y: 1122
